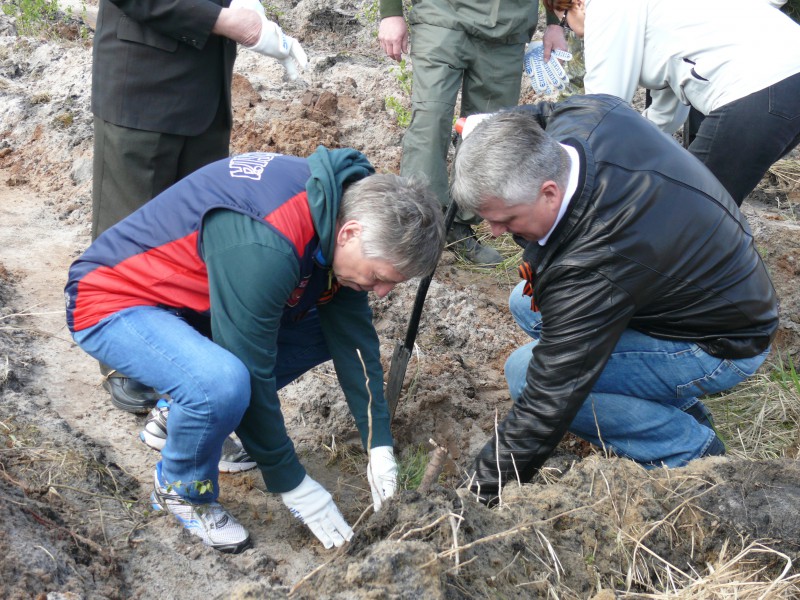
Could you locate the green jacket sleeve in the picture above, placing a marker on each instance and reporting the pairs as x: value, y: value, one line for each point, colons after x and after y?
x: 251, y: 273
x: 391, y: 8
x: 347, y: 326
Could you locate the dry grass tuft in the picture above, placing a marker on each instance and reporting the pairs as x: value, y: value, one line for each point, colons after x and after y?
x: 760, y: 419
x: 736, y: 577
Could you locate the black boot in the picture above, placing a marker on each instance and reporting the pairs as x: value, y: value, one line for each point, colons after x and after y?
x: 461, y: 239
x: 128, y: 394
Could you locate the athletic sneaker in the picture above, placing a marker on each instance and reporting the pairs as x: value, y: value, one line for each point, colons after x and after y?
x: 214, y: 525
x: 234, y: 458
x: 154, y: 433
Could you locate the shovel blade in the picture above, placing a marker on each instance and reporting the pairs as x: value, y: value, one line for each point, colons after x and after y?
x: 397, y: 374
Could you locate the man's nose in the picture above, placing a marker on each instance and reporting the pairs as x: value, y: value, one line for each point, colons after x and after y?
x: 497, y: 229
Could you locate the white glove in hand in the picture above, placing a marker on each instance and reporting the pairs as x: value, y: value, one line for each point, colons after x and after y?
x: 470, y: 123
x: 274, y: 43
x: 546, y: 77
x: 382, y: 475
x: 314, y: 506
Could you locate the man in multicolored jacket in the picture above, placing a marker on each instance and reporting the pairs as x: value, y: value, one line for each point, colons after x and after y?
x: 280, y: 253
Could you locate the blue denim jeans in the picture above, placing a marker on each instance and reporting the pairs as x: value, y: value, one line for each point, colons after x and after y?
x: 637, y: 405
x: 209, y: 386
x: 740, y: 141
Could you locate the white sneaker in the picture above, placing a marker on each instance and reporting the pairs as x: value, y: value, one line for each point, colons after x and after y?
x: 154, y: 433
x: 214, y: 525
x: 234, y: 458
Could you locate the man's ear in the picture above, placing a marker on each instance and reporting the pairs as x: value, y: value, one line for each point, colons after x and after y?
x: 348, y: 231
x: 552, y: 194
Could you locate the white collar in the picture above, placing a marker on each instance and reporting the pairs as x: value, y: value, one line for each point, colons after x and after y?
x: 572, y: 185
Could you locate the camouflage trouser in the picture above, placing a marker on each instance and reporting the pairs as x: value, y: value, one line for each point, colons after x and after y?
x: 445, y: 61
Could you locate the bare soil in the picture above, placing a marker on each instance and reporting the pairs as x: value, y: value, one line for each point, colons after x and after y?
x: 75, y: 480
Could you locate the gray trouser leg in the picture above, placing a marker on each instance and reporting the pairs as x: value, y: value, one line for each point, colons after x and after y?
x: 131, y: 166
x: 445, y: 61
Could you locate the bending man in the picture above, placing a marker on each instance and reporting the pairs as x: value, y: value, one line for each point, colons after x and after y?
x: 643, y: 287
x: 280, y: 253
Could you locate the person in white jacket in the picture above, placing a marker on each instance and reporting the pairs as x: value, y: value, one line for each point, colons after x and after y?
x: 701, y: 54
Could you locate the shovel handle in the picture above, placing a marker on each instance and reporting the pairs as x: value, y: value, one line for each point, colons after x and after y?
x: 424, y: 284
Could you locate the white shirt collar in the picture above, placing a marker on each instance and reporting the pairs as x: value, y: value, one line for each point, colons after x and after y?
x: 572, y: 185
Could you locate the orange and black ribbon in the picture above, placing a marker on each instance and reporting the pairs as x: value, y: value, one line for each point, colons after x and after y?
x: 527, y: 273
x: 333, y: 287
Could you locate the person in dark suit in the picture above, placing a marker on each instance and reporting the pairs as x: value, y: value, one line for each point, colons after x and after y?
x: 161, y: 99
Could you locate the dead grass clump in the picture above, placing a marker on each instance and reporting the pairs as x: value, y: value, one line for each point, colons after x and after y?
x: 739, y: 576
x: 760, y: 419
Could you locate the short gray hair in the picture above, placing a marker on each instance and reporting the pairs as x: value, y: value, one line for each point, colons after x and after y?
x: 507, y: 156
x: 401, y: 220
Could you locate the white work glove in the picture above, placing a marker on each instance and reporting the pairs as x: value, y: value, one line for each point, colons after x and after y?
x: 314, y: 506
x: 382, y: 475
x: 546, y: 77
x: 465, y: 125
x: 274, y: 43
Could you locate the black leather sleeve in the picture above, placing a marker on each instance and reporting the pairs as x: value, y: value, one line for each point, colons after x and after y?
x: 583, y: 317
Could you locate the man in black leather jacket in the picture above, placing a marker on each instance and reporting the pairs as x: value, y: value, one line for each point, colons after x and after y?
x: 643, y: 291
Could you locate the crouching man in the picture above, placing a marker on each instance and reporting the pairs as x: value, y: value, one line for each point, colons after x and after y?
x: 280, y: 253
x: 643, y: 289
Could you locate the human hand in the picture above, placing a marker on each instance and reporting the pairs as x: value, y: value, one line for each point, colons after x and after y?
x: 382, y: 475
x: 554, y: 39
x: 274, y: 43
x: 546, y: 77
x: 393, y: 36
x: 314, y: 506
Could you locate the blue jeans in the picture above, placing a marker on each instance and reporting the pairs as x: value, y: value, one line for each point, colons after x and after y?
x: 209, y: 386
x: 637, y: 405
x: 740, y: 155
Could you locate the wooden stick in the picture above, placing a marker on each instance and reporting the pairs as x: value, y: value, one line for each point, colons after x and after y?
x: 434, y: 468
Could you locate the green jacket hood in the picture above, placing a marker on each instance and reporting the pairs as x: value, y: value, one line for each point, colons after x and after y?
x: 331, y: 171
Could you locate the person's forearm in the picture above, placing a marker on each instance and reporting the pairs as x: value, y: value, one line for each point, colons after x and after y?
x: 240, y: 25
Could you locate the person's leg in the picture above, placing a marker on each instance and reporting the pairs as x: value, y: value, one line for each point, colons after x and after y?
x: 301, y: 347
x: 436, y: 54
x: 740, y: 156
x: 492, y: 81
x: 130, y: 167
x: 210, y: 146
x: 644, y: 405
x: 493, y: 77
x: 209, y: 387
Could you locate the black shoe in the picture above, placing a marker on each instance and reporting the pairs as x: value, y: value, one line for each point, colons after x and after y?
x: 703, y: 416
x: 715, y: 448
x: 461, y: 239
x: 128, y: 394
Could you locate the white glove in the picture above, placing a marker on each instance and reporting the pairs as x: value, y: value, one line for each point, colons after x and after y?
x: 314, y: 506
x: 546, y: 77
x: 274, y: 43
x: 382, y: 475
x: 466, y: 124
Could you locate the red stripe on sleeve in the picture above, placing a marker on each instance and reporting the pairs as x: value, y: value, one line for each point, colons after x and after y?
x: 293, y: 219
